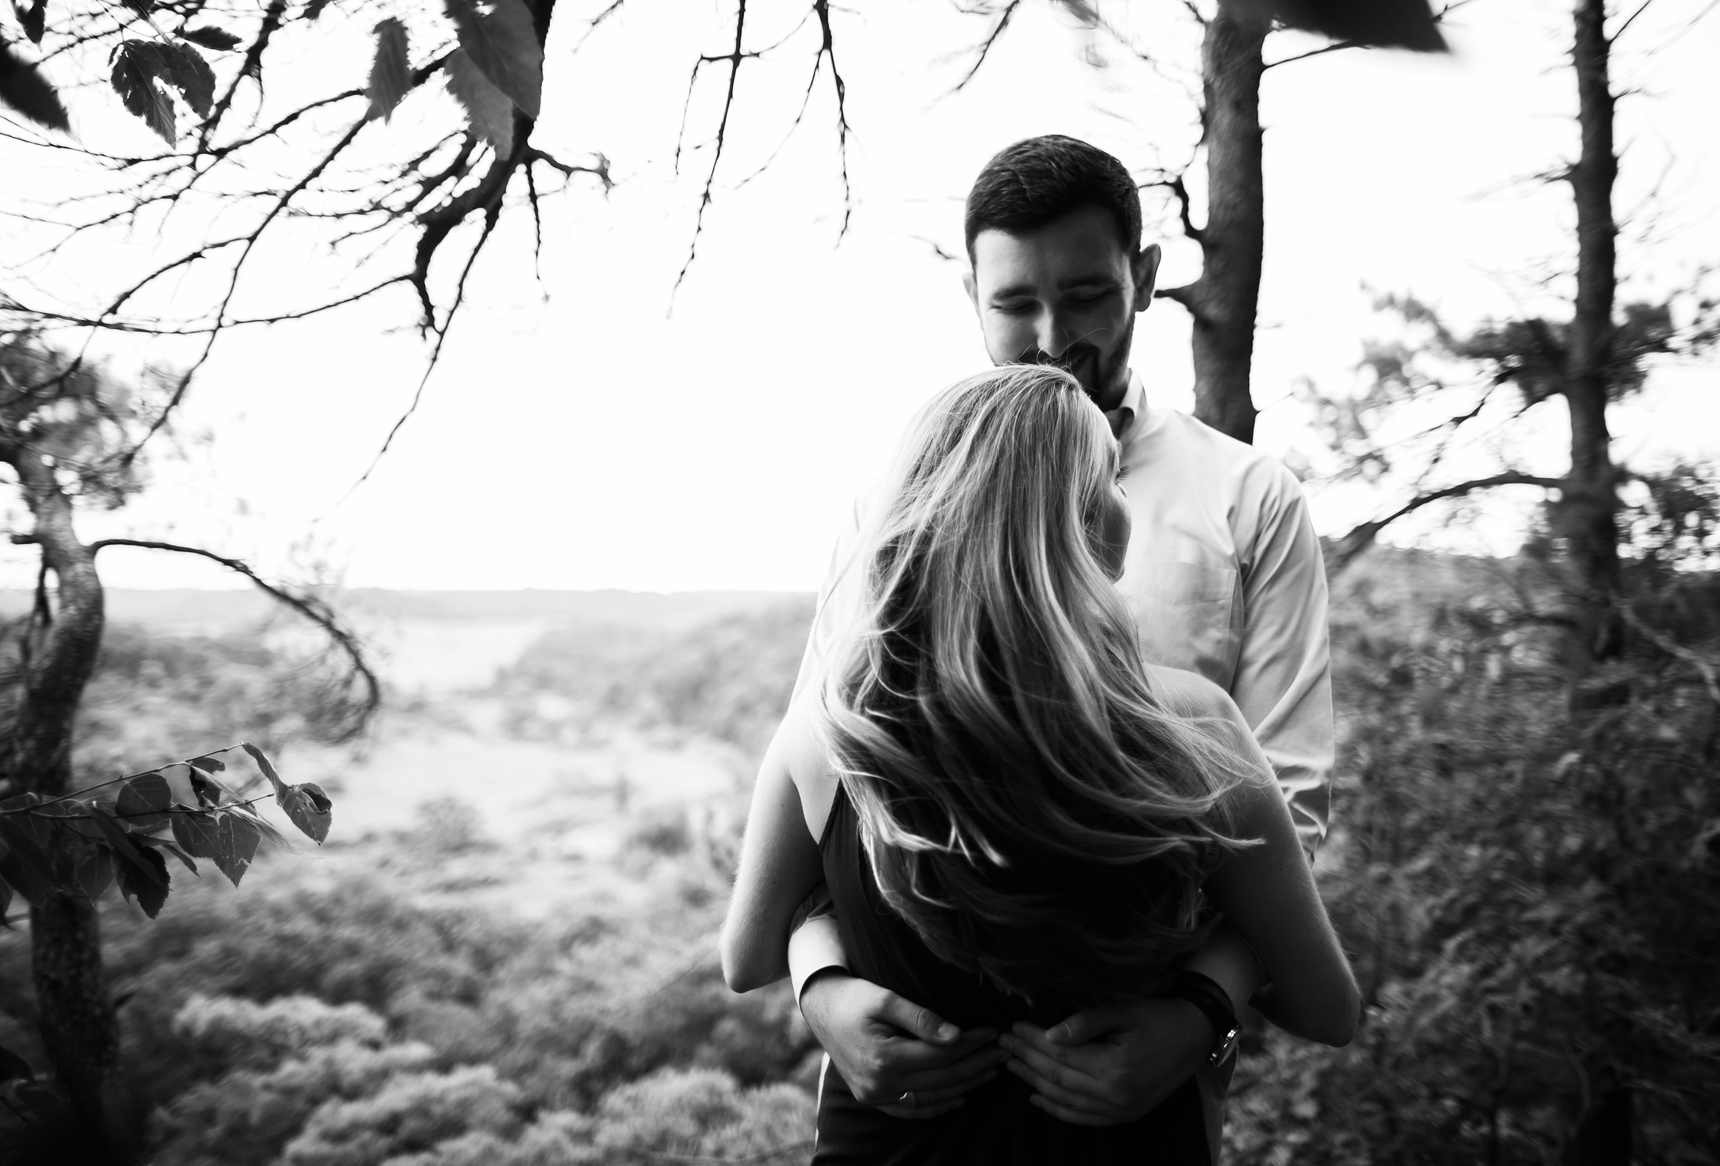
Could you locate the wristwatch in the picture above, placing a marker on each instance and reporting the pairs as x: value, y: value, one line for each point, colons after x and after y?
x: 1205, y: 994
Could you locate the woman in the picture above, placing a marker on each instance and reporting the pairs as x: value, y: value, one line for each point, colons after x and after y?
x: 1017, y: 817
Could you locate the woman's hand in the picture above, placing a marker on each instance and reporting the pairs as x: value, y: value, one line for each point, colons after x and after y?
x: 886, y: 1046
x: 1110, y: 1065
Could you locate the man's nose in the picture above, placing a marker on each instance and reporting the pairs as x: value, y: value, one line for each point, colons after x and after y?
x: 1053, y: 336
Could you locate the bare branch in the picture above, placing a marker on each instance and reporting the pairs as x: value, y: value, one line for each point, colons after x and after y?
x: 441, y: 330
x: 1178, y: 187
x: 1678, y: 651
x: 734, y: 59
x: 309, y: 606
x: 1360, y: 538
x: 983, y: 49
x: 1628, y: 21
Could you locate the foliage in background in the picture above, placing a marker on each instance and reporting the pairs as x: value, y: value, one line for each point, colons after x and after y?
x: 1516, y: 886
x: 1525, y: 891
x: 728, y: 678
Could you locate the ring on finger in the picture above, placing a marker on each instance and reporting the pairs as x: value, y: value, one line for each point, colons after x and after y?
x: 906, y: 1099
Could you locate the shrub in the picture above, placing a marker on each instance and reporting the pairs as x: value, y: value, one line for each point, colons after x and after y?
x: 409, y: 1114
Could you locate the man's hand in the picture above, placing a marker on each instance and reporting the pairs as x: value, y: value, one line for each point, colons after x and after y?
x: 1110, y: 1065
x: 885, y: 1046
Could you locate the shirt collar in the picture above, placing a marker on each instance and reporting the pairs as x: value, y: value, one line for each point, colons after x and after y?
x: 1124, y: 416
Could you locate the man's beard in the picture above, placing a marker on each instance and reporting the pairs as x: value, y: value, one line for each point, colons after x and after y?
x: 1085, y: 363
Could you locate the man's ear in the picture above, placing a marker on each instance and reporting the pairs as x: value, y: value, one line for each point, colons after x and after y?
x: 971, y: 286
x: 1145, y: 269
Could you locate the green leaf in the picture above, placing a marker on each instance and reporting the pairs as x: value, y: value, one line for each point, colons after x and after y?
x: 315, y: 9
x: 308, y: 808
x: 172, y: 848
x: 147, y: 882
x: 25, y: 863
x: 488, y: 110
x: 92, y: 869
x: 14, y: 1068
x: 238, y: 840
x: 209, y: 764
x: 499, y: 38
x: 199, y: 833
x: 5, y: 897
x: 33, y: 19
x: 205, y: 788
x: 24, y: 90
x: 390, y: 74
x: 116, y: 836
x: 134, y: 71
x: 211, y: 37
x: 189, y: 73
x: 143, y: 801
x: 230, y: 837
x: 263, y: 763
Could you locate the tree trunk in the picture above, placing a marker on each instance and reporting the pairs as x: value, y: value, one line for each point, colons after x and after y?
x: 76, y: 1017
x: 1226, y: 297
x: 1589, y: 509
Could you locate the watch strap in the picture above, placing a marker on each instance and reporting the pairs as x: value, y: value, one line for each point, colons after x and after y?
x: 1205, y: 994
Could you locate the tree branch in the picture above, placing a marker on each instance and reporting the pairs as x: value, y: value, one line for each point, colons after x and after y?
x: 308, y: 606
x: 1678, y: 651
x: 983, y: 49
x: 734, y: 59
x: 1361, y: 537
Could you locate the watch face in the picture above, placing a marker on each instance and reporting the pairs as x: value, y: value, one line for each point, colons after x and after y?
x: 1226, y: 1045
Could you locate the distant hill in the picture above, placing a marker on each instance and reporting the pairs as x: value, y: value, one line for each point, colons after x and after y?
x: 214, y: 612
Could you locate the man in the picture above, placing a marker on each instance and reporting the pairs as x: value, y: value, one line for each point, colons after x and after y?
x: 1225, y: 578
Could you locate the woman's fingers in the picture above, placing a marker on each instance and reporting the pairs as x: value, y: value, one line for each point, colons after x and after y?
x: 931, y: 1102
x: 1087, y: 1025
x: 1047, y: 1070
x: 977, y: 1067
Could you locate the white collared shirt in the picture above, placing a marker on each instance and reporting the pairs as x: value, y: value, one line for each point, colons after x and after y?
x: 1225, y: 578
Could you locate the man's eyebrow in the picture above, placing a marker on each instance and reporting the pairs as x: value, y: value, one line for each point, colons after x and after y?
x: 1095, y: 280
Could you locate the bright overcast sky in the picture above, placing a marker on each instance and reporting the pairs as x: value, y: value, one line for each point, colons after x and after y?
x: 580, y: 435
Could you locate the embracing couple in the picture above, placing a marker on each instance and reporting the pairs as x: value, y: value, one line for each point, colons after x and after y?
x: 1038, y: 821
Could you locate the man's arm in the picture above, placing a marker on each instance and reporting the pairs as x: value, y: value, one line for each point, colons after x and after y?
x: 1283, y: 682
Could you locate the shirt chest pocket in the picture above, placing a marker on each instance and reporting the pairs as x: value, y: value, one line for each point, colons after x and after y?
x: 1186, y: 615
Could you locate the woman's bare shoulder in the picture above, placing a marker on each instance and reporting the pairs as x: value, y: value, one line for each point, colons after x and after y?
x: 1189, y: 694
x: 801, y: 750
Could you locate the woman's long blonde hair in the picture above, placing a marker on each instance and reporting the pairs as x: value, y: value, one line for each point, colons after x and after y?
x: 1027, y: 804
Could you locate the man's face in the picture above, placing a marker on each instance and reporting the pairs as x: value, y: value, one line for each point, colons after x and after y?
x: 1065, y: 294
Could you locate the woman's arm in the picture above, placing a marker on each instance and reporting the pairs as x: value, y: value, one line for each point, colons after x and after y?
x: 779, y: 863
x: 1267, y: 893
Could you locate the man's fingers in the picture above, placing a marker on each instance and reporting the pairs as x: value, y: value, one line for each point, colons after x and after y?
x: 922, y: 1022
x: 1087, y: 1025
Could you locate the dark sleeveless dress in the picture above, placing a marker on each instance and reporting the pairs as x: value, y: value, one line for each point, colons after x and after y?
x: 996, y: 1124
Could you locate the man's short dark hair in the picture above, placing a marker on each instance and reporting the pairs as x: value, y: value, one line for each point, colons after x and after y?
x: 1039, y: 180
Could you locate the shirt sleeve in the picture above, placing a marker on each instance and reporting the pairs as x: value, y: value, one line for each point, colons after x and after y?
x: 1283, y: 682
x: 813, y: 942
x: 833, y: 602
